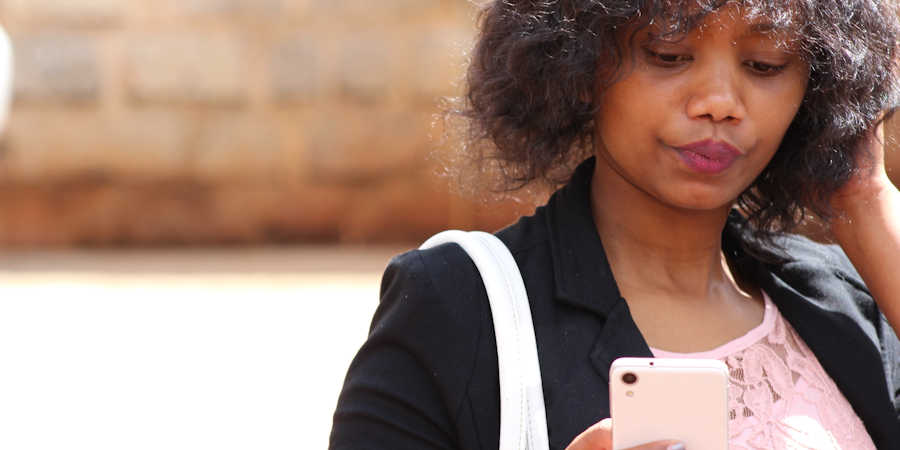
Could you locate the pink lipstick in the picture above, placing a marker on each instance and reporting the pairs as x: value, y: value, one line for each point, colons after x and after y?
x: 708, y: 156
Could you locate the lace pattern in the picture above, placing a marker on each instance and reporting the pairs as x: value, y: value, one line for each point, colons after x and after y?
x: 779, y: 395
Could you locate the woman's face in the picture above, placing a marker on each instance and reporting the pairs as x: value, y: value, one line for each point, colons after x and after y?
x: 692, y: 122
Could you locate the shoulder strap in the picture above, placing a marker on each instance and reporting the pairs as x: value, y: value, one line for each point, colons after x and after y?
x: 6, y: 70
x: 523, y: 420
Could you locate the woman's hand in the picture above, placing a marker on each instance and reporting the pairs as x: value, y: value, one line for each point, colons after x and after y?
x: 599, y: 437
x: 867, y: 226
x: 868, y: 181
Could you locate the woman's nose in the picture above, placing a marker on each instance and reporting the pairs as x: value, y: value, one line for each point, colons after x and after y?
x: 715, y: 96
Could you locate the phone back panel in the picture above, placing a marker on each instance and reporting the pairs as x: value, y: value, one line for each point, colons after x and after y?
x: 683, y: 399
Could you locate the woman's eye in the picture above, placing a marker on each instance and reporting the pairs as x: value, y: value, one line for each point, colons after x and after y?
x: 765, y: 69
x: 667, y: 59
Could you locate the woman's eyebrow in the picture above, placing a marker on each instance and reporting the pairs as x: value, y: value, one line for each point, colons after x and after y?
x: 669, y: 36
x: 764, y: 28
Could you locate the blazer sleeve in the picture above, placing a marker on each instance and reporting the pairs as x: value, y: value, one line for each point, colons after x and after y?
x: 406, y: 386
x: 887, y: 336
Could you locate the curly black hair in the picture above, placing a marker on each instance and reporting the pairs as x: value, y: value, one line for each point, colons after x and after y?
x: 528, y: 106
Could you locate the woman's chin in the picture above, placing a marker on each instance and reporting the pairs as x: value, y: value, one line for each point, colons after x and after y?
x: 700, y: 203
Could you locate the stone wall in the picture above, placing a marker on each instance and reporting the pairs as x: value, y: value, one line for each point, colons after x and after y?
x: 231, y: 121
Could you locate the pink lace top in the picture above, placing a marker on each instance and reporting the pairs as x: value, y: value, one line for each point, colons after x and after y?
x: 779, y: 396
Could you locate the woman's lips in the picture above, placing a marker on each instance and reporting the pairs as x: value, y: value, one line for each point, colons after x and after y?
x: 710, y: 157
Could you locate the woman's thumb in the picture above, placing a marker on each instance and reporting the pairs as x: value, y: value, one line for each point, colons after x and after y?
x: 599, y: 437
x: 661, y: 445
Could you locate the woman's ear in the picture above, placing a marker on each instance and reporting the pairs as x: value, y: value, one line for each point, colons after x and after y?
x: 6, y: 70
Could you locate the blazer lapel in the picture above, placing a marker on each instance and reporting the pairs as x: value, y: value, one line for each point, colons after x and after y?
x: 619, y: 338
x: 586, y: 400
x: 584, y: 281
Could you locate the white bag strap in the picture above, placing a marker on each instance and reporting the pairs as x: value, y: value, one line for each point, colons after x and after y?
x: 6, y: 71
x: 523, y: 420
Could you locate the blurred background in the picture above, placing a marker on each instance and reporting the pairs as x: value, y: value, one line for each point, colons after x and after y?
x: 197, y: 198
x: 230, y: 122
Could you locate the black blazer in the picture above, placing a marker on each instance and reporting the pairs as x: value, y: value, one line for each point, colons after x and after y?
x: 427, y: 375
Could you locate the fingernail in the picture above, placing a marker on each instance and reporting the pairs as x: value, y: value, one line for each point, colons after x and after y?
x: 678, y: 446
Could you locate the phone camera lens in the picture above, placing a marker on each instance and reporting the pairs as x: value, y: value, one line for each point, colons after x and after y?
x: 629, y: 378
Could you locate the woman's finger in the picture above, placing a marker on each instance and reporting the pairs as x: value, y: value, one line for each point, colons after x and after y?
x: 660, y: 445
x: 599, y: 437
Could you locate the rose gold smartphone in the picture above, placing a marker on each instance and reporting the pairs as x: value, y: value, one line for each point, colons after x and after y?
x: 669, y: 398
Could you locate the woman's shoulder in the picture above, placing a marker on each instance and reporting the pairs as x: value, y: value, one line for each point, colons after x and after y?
x: 441, y: 274
x: 409, y: 382
x: 437, y: 294
x: 440, y: 284
x: 822, y: 274
x: 816, y: 263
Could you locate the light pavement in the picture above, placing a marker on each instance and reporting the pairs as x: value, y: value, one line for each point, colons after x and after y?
x: 179, y: 349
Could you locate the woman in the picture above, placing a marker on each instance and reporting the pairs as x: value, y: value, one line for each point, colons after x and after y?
x: 703, y: 132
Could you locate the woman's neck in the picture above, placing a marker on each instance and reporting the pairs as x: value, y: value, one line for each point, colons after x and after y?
x: 656, y: 250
